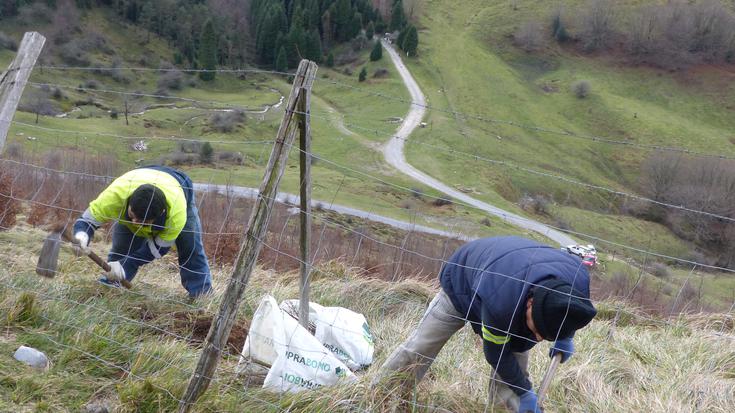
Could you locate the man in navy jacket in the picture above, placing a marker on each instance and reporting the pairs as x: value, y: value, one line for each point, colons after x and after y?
x: 514, y: 292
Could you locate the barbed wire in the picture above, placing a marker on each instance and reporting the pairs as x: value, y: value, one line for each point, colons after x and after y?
x: 160, y: 69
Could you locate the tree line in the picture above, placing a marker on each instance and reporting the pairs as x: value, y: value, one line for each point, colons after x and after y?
x: 672, y: 35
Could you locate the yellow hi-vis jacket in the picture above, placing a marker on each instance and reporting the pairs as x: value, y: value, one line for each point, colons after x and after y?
x: 112, y: 204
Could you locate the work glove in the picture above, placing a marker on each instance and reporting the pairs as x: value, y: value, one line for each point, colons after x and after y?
x: 116, y: 273
x: 529, y: 403
x: 82, y: 248
x: 565, y: 347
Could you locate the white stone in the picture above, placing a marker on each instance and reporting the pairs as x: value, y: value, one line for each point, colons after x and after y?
x: 31, y: 357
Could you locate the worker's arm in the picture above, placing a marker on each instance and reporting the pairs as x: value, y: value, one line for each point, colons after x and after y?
x: 494, y: 345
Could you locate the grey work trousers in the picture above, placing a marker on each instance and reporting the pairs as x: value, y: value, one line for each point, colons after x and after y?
x: 440, y: 321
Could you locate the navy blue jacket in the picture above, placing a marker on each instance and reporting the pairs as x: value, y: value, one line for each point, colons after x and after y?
x: 489, y: 280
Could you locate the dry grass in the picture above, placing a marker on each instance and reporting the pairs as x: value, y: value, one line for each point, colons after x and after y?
x: 642, y: 364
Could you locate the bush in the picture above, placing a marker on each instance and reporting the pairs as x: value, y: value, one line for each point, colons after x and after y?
x: 91, y: 84
x: 363, y: 75
x: 190, y: 146
x: 232, y: 157
x: 226, y: 122
x: 537, y: 204
x: 441, y: 201
x: 74, y: 54
x: 529, y: 36
x: 380, y: 73
x: 660, y: 270
x: 113, y: 113
x: 180, y: 158
x: 172, y: 80
x: 205, y: 154
x: 581, y: 88
x: 377, y: 52
x: 7, y: 42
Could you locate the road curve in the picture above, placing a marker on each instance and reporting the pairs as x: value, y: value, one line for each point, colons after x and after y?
x: 393, y: 152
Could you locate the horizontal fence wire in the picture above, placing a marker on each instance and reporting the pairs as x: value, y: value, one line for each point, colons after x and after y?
x: 328, y: 222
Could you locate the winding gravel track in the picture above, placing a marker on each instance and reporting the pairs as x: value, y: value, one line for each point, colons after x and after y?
x: 393, y: 152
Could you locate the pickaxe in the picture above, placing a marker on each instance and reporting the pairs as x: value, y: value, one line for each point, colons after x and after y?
x: 48, y: 260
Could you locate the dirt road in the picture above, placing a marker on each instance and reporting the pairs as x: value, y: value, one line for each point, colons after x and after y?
x: 393, y: 152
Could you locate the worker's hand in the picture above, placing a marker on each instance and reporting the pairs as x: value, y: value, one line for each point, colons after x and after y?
x: 81, y: 246
x: 116, y: 273
x: 565, y: 347
x: 529, y: 403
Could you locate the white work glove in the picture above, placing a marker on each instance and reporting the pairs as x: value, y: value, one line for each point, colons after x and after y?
x: 116, y: 273
x: 83, y: 247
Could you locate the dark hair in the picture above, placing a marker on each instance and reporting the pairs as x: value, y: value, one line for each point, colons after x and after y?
x: 147, y: 202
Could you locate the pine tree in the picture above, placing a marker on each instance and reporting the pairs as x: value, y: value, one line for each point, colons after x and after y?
x: 208, y: 52
x: 397, y: 18
x: 205, y: 153
x: 281, y: 61
x: 363, y: 75
x: 410, y: 41
x: 343, y: 18
x: 330, y: 59
x: 370, y: 31
x: 377, y: 52
x: 313, y: 49
x: 354, y: 27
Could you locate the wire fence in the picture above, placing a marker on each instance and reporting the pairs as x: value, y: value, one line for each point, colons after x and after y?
x: 350, y: 256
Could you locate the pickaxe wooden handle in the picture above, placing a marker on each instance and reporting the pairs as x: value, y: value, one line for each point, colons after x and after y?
x: 96, y: 258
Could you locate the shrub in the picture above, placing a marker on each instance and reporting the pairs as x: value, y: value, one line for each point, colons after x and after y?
x: 232, y: 157
x: 7, y: 42
x: 330, y: 59
x: 417, y: 193
x: 9, y: 206
x: 537, y: 204
x: 441, y: 201
x: 363, y: 75
x: 581, y: 88
x: 91, y: 84
x: 660, y: 270
x: 226, y: 122
x: 74, y: 54
x: 113, y: 113
x: 205, y: 154
x: 529, y: 36
x: 180, y: 158
x: 190, y: 146
x: 380, y: 73
x: 172, y: 80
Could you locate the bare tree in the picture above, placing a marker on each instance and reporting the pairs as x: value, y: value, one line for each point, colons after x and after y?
x: 413, y: 8
x: 644, y: 31
x: 530, y: 36
x: 598, y: 24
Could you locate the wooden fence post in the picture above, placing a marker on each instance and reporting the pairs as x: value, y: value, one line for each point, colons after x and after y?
x: 13, y: 80
x: 305, y: 200
x: 219, y: 332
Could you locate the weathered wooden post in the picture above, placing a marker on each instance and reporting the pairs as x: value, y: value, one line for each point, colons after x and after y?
x: 219, y: 332
x: 305, y: 200
x: 13, y: 80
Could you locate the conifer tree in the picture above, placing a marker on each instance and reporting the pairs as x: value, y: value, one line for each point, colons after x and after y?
x: 363, y: 75
x: 410, y: 41
x: 330, y: 59
x: 208, y: 52
x: 398, y: 17
x: 370, y: 31
x: 377, y: 52
x: 281, y: 61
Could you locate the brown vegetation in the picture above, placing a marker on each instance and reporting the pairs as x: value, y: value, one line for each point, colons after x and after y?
x: 698, y: 184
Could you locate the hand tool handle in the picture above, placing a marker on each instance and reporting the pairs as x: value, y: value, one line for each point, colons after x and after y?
x: 96, y: 258
x: 547, y: 377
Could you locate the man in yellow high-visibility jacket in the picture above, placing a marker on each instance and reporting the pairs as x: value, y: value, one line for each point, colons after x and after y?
x: 153, y: 209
